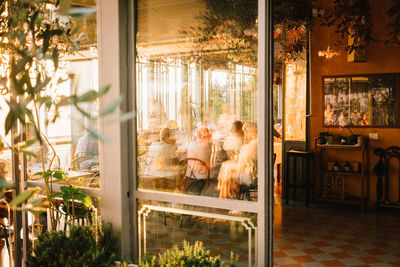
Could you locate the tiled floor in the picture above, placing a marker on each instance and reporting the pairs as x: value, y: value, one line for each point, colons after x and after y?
x: 335, y: 236
x: 313, y: 236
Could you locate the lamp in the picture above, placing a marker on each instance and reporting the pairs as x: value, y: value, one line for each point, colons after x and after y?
x: 329, y: 53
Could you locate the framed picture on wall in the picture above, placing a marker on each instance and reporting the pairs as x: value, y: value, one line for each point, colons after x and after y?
x: 366, y: 100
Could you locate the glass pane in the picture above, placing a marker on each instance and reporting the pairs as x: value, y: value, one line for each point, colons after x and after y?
x: 74, y: 149
x: 361, y: 101
x: 196, y: 97
x: 5, y: 143
x: 163, y: 225
x: 295, y: 100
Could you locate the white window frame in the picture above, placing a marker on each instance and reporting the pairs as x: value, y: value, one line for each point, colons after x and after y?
x: 118, y: 159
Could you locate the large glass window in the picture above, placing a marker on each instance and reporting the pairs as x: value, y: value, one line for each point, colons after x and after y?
x: 197, y: 97
x: 76, y: 151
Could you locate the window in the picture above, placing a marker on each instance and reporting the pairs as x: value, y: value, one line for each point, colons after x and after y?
x: 75, y: 150
x: 197, y: 98
x: 198, y: 127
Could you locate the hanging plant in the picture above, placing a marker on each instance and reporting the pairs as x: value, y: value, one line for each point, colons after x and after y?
x: 351, y: 18
x: 394, y: 25
x: 227, y: 25
x: 293, y: 46
x: 292, y: 19
x: 293, y: 14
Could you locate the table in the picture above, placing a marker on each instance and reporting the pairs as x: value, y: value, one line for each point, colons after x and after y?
x: 169, y: 178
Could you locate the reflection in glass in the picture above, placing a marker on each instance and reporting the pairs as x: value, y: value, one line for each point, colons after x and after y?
x: 74, y: 149
x: 163, y: 225
x: 197, y: 98
x: 295, y: 100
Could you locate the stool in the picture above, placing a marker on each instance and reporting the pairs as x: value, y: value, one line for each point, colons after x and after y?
x: 306, y: 180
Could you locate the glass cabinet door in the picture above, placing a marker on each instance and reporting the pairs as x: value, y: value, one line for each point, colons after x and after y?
x: 295, y: 101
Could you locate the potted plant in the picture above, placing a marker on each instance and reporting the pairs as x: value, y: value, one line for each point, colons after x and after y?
x: 81, y: 246
x: 292, y: 21
x: 187, y: 255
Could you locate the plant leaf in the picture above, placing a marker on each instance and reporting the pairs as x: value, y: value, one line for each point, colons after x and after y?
x: 58, y: 194
x: 97, y: 135
x: 112, y: 107
x: 84, y: 199
x: 23, y: 197
x: 9, y: 121
x: 5, y: 185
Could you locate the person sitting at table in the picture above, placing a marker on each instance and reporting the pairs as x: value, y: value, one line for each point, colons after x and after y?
x: 197, y: 173
x: 234, y: 140
x: 241, y: 172
x: 162, y: 155
x: 87, y: 152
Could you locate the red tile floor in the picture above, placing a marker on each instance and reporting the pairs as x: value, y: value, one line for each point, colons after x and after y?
x: 334, y: 236
x: 303, y: 236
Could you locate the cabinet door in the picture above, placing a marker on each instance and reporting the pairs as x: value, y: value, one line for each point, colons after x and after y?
x: 296, y: 107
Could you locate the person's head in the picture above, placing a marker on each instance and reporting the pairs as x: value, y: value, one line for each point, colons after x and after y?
x: 237, y: 127
x: 165, y: 135
x: 203, y: 134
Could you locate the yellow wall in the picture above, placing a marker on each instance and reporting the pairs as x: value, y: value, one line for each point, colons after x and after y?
x: 380, y: 59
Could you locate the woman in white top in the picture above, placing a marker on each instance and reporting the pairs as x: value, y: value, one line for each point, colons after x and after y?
x: 197, y: 172
x: 234, y: 140
x: 162, y: 155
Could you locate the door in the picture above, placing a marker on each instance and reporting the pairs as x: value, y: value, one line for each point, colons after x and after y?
x: 296, y: 110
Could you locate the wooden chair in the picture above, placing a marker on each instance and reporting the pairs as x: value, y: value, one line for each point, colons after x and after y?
x: 194, y: 168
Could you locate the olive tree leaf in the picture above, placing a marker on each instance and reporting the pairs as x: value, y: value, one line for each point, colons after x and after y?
x: 10, y: 119
x: 29, y: 153
x: 5, y: 185
x: 97, y: 135
x: 89, y: 96
x: 104, y: 90
x: 25, y: 196
x: 112, y: 107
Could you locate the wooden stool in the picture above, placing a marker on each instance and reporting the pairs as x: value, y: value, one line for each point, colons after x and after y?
x: 306, y: 179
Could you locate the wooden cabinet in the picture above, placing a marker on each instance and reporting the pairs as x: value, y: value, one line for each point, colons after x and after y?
x: 342, y: 173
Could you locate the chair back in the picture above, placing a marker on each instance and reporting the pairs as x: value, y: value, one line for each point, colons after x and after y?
x: 194, y: 168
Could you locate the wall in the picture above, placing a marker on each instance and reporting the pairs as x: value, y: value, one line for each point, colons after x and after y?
x: 381, y: 59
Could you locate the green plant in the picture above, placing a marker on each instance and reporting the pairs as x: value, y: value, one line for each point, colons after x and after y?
x: 294, y: 19
x: 82, y: 246
x: 394, y: 25
x: 227, y: 25
x: 69, y: 194
x: 188, y: 255
x: 33, y: 36
x: 351, y: 18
